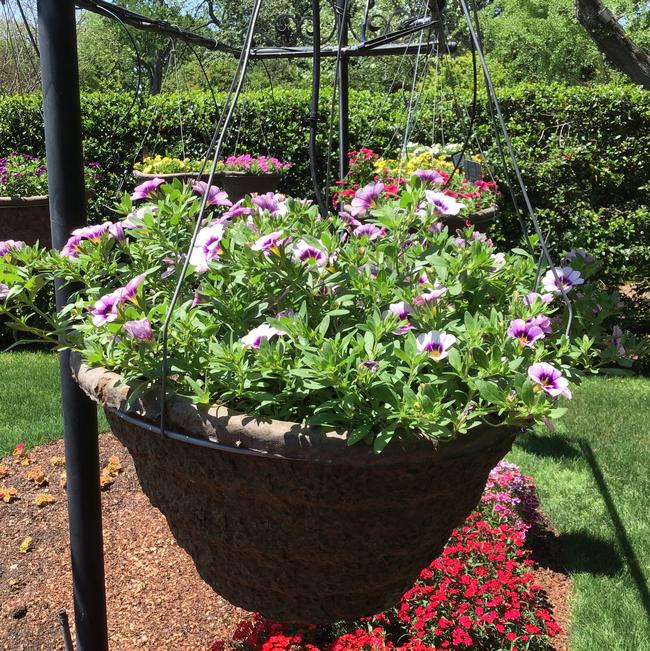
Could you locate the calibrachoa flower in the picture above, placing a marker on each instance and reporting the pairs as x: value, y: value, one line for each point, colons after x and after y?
x: 147, y: 189
x: 216, y: 197
x: 436, y: 344
x: 268, y: 242
x: 4, y: 291
x: 543, y: 322
x: 579, y: 253
x: 140, y: 329
x: 237, y: 210
x: 254, y: 338
x: 550, y: 379
x: 370, y: 231
x: 430, y: 177
x: 207, y: 246
x: 442, y: 203
x: 430, y: 297
x: 498, y: 261
x: 6, y: 247
x: 364, y: 198
x: 268, y: 201
x: 305, y: 253
x: 567, y: 278
x: 130, y: 291
x: 534, y: 296
x: 105, y: 309
x: 526, y: 332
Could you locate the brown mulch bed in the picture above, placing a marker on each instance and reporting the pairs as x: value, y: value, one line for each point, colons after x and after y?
x: 156, y: 600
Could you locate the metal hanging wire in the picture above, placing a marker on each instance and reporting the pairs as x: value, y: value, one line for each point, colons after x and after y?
x: 504, y: 130
x: 217, y: 143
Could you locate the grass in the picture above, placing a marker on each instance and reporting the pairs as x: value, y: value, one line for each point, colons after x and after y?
x: 594, y: 485
x: 30, y: 406
x: 592, y: 475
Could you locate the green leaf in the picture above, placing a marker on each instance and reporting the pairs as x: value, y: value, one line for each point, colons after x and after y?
x: 490, y: 391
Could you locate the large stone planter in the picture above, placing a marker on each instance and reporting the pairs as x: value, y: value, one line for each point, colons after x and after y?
x: 26, y: 219
x: 239, y: 184
x: 288, y: 520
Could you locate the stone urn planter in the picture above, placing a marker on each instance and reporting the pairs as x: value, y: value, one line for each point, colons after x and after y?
x: 185, y: 177
x: 27, y: 219
x: 288, y: 520
x: 239, y: 184
x: 481, y: 219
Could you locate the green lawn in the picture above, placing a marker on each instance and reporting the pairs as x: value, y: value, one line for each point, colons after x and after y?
x: 594, y: 483
x: 30, y: 407
x: 593, y: 479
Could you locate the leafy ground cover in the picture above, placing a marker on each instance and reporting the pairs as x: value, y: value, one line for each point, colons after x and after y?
x: 30, y: 405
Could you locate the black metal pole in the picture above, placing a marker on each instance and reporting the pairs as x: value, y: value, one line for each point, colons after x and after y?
x: 344, y: 87
x: 63, y: 144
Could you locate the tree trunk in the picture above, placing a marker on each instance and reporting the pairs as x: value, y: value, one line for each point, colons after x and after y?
x: 610, y: 38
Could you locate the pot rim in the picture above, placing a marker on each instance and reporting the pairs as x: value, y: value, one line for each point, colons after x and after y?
x: 252, y: 175
x: 137, y: 174
x: 35, y: 200
x: 273, y: 438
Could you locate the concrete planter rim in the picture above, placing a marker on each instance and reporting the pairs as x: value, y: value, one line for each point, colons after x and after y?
x: 12, y: 202
x: 269, y: 437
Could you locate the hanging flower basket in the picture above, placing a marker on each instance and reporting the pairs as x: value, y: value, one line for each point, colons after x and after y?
x: 481, y: 219
x: 307, y: 529
x: 238, y: 184
x: 25, y: 218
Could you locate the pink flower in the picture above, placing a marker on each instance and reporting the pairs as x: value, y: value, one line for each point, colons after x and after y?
x: 271, y: 203
x: 543, y: 322
x: 567, y: 278
x: 437, y: 344
x: 430, y: 297
x: 105, y: 309
x: 140, y: 329
x: 216, y: 197
x: 254, y: 338
x: 401, y: 310
x: 370, y: 231
x: 6, y: 247
x: 207, y: 247
x: 442, y: 203
x: 4, y: 291
x: 130, y: 291
x: 550, y: 379
x: 305, y: 253
x: 534, y: 296
x: 268, y: 242
x: 237, y: 210
x: 365, y: 198
x: 147, y: 189
x: 430, y: 177
x: 498, y: 261
x: 525, y: 332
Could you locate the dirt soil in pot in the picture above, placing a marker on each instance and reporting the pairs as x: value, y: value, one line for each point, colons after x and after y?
x: 156, y: 600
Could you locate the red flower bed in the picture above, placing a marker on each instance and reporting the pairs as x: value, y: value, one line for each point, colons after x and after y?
x: 480, y: 594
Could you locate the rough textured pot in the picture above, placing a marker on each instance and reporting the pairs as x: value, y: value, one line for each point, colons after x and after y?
x: 185, y: 177
x: 482, y: 219
x: 309, y: 529
x: 27, y: 219
x: 239, y: 184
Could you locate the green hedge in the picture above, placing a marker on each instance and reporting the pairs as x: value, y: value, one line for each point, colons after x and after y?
x: 583, y: 150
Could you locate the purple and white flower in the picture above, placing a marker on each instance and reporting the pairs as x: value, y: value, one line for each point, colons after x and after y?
x: 4, y: 291
x: 370, y: 231
x: 306, y: 253
x: 7, y: 246
x: 567, y: 278
x: 498, y: 261
x: 550, y: 379
x: 349, y: 219
x: 525, y: 332
x: 216, y: 197
x: 130, y: 291
x: 436, y: 344
x: 430, y: 177
x: 430, y: 297
x: 140, y: 329
x: 207, y: 247
x: 105, y: 309
x: 534, y: 296
x: 442, y: 203
x: 268, y: 243
x: 423, y: 279
x: 579, y: 253
x: 237, y: 210
x: 269, y: 202
x: 138, y: 215
x: 543, y: 322
x: 401, y: 310
x: 254, y: 338
x: 365, y: 198
x: 147, y: 189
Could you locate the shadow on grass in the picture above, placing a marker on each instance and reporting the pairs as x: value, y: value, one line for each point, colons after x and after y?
x: 548, y: 445
x: 622, y: 537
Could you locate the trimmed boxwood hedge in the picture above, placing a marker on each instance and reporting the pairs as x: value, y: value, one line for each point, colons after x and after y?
x: 583, y: 150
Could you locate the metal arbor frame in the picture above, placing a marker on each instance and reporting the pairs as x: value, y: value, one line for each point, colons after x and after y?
x: 64, y: 151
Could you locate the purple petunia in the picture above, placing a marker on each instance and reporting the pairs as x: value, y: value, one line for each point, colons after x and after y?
x: 270, y: 203
x: 268, y: 242
x: 305, y: 253
x: 207, y: 246
x: 147, y: 189
x: 254, y: 338
x: 401, y: 310
x: 550, y: 379
x: 365, y: 198
x: 237, y: 210
x: 579, y: 253
x: 525, y: 332
x: 130, y: 291
x: 431, y: 296
x: 216, y: 197
x: 436, y: 344
x: 140, y: 329
x: 543, y: 322
x: 430, y: 177
x: 534, y: 296
x: 442, y: 203
x: 105, y: 309
x: 6, y: 246
x: 567, y: 278
x: 370, y: 231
